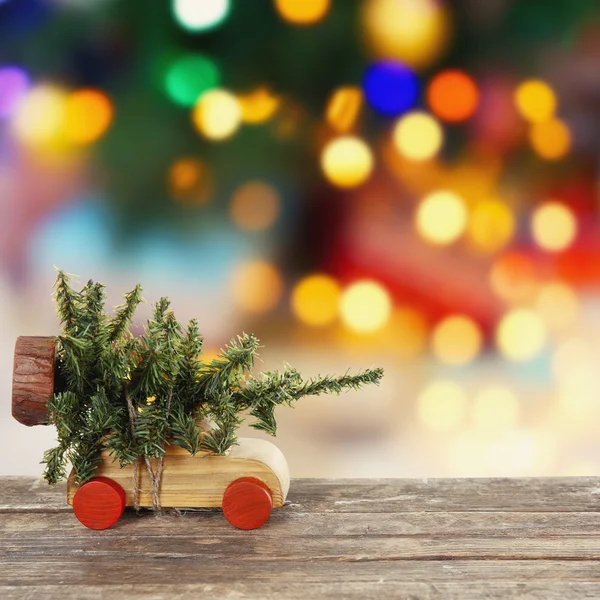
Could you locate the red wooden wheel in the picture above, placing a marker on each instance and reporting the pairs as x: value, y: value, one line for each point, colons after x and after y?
x: 99, y: 503
x: 247, y: 503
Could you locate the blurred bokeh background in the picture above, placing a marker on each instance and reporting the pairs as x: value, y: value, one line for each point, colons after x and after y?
x: 405, y: 183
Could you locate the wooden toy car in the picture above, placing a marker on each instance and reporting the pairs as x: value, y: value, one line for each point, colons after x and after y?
x: 247, y: 483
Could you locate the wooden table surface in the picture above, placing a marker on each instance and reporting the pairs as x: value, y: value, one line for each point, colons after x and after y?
x: 461, y: 539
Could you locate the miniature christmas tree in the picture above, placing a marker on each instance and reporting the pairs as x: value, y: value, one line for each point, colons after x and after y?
x: 134, y: 396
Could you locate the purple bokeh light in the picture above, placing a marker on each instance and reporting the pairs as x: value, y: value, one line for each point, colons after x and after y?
x: 14, y: 83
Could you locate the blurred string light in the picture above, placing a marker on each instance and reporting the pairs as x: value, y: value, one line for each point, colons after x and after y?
x: 343, y: 108
x: 410, y: 330
x: 418, y: 136
x: 200, y: 15
x: 453, y: 96
x: 39, y: 118
x: 441, y: 217
x: 347, y: 161
x: 49, y: 118
x: 391, y: 88
x: 255, y: 206
x: 257, y: 287
x: 558, y: 305
x: 442, y: 406
x: 415, y: 32
x: 491, y: 225
x: 14, y: 83
x: 551, y: 140
x: 513, y: 278
x: 302, y: 12
x: 259, y: 105
x: 495, y: 408
x: 189, y: 76
x: 315, y: 300
x: 88, y: 115
x: 217, y: 115
x: 365, y: 306
x: 535, y: 100
x: 456, y: 340
x: 553, y: 226
x: 521, y: 335
x: 190, y: 181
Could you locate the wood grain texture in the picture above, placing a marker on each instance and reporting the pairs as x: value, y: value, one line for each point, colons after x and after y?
x: 430, y: 539
x: 201, y: 480
x: 33, y: 379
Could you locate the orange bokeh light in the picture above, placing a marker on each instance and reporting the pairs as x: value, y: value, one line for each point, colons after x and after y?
x: 453, y: 96
x: 88, y: 116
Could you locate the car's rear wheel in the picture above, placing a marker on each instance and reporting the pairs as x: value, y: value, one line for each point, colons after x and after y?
x: 247, y: 503
x: 99, y: 503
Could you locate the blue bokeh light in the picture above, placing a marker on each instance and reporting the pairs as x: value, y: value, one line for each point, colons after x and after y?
x: 391, y: 88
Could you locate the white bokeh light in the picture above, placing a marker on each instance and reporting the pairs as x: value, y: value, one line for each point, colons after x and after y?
x: 200, y: 15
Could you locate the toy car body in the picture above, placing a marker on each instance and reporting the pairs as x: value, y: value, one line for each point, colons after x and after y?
x: 247, y: 483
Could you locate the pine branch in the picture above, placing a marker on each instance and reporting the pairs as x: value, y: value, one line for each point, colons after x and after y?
x: 224, y: 414
x: 185, y: 388
x: 119, y: 326
x: 68, y: 303
x: 224, y: 372
x: 261, y: 395
x: 184, y: 432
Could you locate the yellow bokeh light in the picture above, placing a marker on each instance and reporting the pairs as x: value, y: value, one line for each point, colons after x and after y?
x: 258, y: 105
x: 343, y: 108
x: 190, y: 181
x: 535, y: 101
x: 441, y: 406
x: 255, y: 206
x: 495, y: 408
x: 441, y: 217
x: 553, y: 226
x: 302, y: 12
x: 558, y: 305
x: 521, y: 335
x: 418, y: 136
x: 456, y: 340
x: 88, y: 115
x: 40, y: 117
x: 365, y: 306
x: 257, y: 286
x: 315, y: 300
x: 491, y: 225
x: 415, y: 32
x: 347, y: 161
x: 217, y: 114
x: 550, y: 139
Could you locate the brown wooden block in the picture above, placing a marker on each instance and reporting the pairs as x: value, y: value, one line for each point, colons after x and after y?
x: 33, y: 379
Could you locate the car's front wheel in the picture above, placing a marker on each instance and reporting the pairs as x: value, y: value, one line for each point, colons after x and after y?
x: 247, y: 503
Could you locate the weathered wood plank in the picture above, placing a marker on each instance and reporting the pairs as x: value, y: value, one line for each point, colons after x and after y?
x: 564, y: 494
x: 467, y: 539
x: 98, y: 570
x: 301, y: 591
x: 287, y: 522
